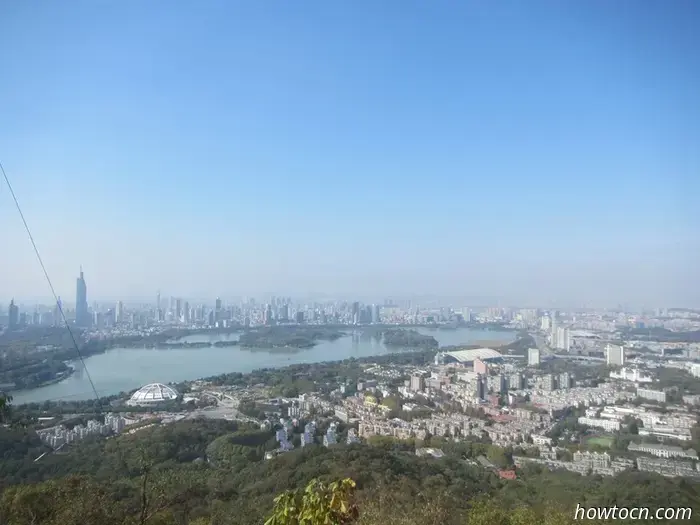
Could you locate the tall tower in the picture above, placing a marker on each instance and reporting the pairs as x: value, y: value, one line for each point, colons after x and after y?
x: 13, y: 315
x: 58, y: 313
x: 82, y: 317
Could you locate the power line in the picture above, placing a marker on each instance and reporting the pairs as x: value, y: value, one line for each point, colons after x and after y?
x: 53, y: 291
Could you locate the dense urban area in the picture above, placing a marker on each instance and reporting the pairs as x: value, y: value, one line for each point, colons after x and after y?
x: 579, y: 398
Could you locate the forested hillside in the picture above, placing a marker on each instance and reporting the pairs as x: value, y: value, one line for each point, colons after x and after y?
x: 214, y: 472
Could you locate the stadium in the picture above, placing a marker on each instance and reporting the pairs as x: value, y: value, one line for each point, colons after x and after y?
x: 467, y: 357
x: 153, y: 394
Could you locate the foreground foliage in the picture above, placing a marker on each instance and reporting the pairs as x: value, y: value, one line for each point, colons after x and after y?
x: 318, y: 504
x: 214, y: 473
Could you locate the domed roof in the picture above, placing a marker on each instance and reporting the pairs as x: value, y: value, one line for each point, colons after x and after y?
x: 153, y: 393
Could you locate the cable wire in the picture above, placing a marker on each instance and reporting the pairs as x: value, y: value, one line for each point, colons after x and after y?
x: 53, y: 291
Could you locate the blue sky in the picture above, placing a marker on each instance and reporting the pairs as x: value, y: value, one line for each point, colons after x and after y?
x: 530, y: 152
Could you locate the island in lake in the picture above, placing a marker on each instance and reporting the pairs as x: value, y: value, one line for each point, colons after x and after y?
x: 407, y: 338
x: 288, y: 336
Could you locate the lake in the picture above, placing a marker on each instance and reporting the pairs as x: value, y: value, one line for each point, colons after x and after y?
x: 124, y: 369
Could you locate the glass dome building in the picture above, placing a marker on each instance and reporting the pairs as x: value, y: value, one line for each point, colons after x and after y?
x: 152, y: 394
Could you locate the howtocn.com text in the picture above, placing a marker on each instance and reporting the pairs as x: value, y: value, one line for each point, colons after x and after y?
x: 632, y: 513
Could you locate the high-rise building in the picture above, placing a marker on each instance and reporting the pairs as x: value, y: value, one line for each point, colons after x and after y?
x: 561, y: 339
x: 218, y: 313
x: 119, y: 312
x: 376, y: 318
x: 57, y: 313
x: 497, y: 383
x: 417, y: 383
x: 553, y: 333
x: 366, y: 315
x: 545, y: 323
x: 480, y: 390
x: 516, y: 381
x: 13, y: 316
x: 533, y: 357
x: 355, y: 312
x: 615, y: 355
x: 82, y: 316
x: 565, y: 380
x: 546, y: 383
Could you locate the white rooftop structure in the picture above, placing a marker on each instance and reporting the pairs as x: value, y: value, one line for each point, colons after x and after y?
x: 583, y: 333
x: 468, y: 356
x: 153, y: 393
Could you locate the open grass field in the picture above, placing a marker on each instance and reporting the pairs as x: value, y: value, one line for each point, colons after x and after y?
x: 603, y: 441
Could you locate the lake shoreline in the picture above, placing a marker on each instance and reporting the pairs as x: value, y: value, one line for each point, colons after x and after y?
x: 124, y: 369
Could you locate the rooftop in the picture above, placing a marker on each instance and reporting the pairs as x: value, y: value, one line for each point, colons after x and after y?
x: 153, y: 393
x: 470, y: 355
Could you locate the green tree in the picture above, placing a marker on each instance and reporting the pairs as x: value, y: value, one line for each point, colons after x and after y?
x: 318, y: 504
x: 498, y: 456
x: 5, y: 401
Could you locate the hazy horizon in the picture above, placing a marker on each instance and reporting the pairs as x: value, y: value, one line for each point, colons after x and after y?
x: 533, y: 154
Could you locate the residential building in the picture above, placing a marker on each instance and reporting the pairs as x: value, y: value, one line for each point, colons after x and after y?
x: 417, y: 383
x: 615, y: 355
x: 605, y: 424
x: 533, y: 357
x: 654, y: 395
x: 663, y: 451
x: 565, y: 380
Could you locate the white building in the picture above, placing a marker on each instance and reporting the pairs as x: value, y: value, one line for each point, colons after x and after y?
x: 663, y: 451
x: 631, y: 374
x: 330, y: 438
x: 153, y: 394
x: 541, y: 440
x: 545, y: 323
x: 606, y: 424
x: 533, y: 357
x: 615, y: 355
x: 563, y: 339
x: 654, y: 395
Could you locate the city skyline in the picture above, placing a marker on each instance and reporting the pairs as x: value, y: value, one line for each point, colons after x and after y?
x: 82, y: 308
x: 530, y: 155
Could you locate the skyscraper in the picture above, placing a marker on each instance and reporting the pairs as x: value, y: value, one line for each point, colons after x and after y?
x: 13, y: 312
x: 57, y: 313
x: 217, y: 310
x: 119, y: 313
x: 376, y: 318
x: 82, y: 317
